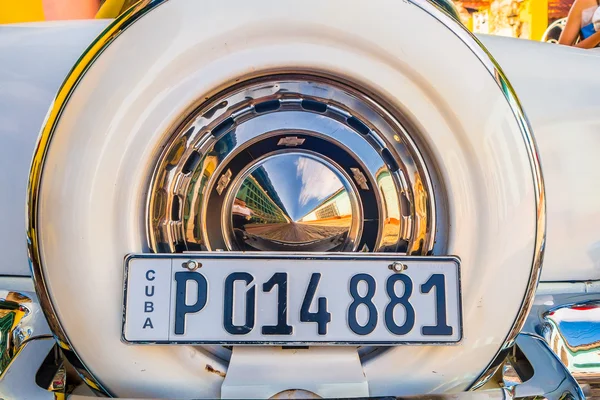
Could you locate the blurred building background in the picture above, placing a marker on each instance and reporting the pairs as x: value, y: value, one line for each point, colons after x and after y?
x: 527, y: 19
x: 17, y: 11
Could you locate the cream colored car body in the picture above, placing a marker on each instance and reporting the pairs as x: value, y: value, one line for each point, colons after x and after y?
x: 555, y: 84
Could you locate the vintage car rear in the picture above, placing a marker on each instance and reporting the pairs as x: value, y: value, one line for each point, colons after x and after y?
x: 296, y: 199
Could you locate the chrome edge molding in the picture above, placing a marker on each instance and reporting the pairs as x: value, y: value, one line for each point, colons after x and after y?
x: 109, y: 34
x: 492, y: 66
x: 145, y: 6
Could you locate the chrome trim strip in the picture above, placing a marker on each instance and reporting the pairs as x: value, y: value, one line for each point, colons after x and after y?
x: 491, y: 64
x: 109, y: 34
x: 145, y: 6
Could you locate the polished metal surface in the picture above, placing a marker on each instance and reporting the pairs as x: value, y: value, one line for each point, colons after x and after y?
x: 417, y: 228
x: 543, y: 375
x: 291, y: 163
x: 565, y: 315
x: 535, y: 373
x: 271, y: 209
x: 25, y: 341
x: 18, y: 382
x: 573, y: 333
x: 449, y: 7
x: 21, y: 320
x: 510, y: 377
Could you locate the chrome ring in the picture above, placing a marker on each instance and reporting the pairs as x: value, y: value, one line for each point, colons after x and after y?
x: 253, y: 120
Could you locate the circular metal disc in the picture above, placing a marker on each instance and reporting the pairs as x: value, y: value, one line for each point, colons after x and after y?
x: 293, y: 201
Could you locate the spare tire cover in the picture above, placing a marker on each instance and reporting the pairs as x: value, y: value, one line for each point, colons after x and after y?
x: 143, y: 75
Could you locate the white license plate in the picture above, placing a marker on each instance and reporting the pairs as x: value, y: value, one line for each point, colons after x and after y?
x: 241, y: 298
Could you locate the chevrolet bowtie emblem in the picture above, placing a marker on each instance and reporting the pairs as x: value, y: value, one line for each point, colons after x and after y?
x: 360, y: 179
x: 223, y: 181
x: 290, y: 141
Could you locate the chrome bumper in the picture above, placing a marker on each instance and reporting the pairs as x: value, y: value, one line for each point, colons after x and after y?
x: 572, y: 329
x: 531, y: 370
x: 567, y: 316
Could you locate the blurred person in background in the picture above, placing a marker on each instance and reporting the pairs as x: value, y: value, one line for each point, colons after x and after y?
x: 14, y: 11
x: 583, y: 22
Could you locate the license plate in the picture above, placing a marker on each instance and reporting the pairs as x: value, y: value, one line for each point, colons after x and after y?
x: 241, y: 298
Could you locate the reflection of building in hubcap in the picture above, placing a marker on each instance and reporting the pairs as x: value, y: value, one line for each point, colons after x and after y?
x: 293, y: 201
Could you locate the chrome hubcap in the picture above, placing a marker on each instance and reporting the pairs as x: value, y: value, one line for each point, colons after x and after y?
x: 291, y: 163
x: 293, y: 201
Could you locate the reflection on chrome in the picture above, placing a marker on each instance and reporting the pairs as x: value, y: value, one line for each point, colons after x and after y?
x: 294, y: 201
x: 193, y: 202
x: 573, y: 333
x: 12, y: 311
x: 536, y: 373
x: 391, y: 233
x: 21, y: 320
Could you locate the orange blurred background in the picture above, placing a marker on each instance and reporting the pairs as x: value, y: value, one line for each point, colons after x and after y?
x: 14, y: 11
